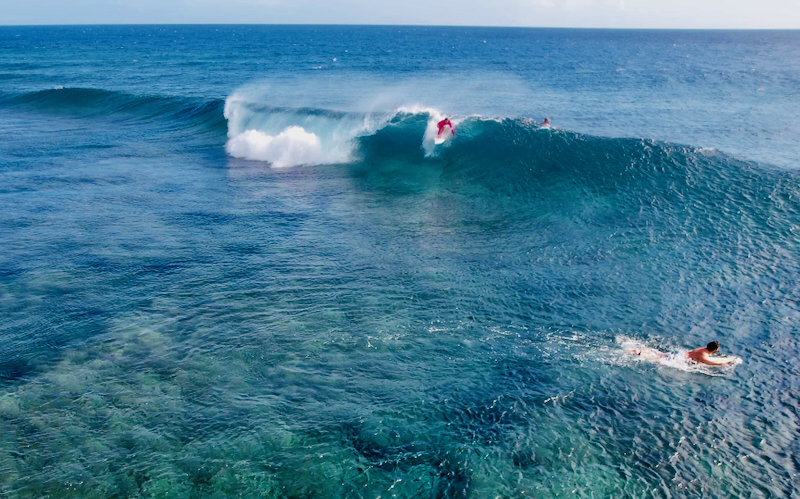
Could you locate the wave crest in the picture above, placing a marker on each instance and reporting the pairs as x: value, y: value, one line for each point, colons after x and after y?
x: 100, y: 103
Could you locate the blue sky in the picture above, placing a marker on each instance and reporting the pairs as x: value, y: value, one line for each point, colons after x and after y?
x: 540, y: 13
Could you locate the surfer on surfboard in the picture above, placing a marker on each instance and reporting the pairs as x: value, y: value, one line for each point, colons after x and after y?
x: 445, y: 122
x: 702, y: 355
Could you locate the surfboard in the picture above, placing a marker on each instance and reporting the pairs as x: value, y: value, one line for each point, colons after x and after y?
x: 733, y: 360
x: 441, y: 138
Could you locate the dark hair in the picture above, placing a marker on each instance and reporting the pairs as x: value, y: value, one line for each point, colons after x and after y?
x: 713, y: 346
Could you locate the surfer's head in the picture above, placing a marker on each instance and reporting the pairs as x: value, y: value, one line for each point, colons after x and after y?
x: 712, y: 347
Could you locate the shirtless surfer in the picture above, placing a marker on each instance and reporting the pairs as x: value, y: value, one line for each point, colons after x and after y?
x: 445, y: 122
x: 702, y: 355
x: 545, y: 123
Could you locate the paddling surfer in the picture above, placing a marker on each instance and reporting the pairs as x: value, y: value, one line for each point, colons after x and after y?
x: 703, y: 355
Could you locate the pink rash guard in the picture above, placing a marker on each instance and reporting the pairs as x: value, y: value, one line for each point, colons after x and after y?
x: 445, y: 122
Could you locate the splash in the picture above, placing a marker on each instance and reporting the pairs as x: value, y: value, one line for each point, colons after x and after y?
x: 286, y: 136
x: 293, y: 146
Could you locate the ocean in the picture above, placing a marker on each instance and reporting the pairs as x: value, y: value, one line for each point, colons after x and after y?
x: 233, y: 263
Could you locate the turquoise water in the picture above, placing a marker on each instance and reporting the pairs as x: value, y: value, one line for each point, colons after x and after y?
x: 231, y: 265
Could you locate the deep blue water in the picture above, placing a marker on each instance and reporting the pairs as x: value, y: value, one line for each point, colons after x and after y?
x: 233, y: 262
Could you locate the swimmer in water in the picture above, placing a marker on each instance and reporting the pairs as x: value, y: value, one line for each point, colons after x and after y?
x: 703, y: 355
x: 445, y: 122
x: 546, y: 122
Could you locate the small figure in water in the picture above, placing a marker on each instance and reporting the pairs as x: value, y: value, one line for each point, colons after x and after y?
x: 545, y: 123
x: 702, y: 355
x: 446, y: 122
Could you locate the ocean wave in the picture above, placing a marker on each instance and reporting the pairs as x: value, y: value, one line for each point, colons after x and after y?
x: 94, y: 103
x: 285, y: 136
x: 507, y: 153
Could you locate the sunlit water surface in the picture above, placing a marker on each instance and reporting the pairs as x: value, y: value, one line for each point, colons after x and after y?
x: 384, y: 318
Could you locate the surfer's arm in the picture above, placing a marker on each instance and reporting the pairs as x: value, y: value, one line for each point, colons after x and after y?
x: 452, y: 130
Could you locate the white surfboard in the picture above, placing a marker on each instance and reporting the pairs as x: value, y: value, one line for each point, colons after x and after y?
x: 447, y: 131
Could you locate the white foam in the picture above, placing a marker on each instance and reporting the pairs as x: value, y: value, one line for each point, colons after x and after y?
x: 293, y: 146
x: 285, y: 137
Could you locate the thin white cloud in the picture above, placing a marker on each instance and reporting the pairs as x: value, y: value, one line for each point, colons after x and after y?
x: 579, y: 4
x: 535, y: 13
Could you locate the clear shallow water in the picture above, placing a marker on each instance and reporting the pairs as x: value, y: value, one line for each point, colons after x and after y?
x: 395, y: 320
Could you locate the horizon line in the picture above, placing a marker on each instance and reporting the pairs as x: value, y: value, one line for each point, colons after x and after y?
x: 394, y: 25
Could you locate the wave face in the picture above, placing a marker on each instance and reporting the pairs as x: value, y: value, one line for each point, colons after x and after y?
x: 122, y: 106
x: 546, y: 169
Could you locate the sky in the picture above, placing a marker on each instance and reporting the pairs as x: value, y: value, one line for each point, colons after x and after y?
x: 707, y: 14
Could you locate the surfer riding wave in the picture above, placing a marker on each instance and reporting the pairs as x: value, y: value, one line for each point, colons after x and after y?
x: 445, y: 122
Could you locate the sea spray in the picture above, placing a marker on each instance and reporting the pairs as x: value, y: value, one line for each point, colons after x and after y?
x: 293, y: 136
x: 293, y: 146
